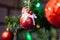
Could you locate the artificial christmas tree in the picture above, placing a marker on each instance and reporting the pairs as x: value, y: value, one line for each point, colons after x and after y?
x: 31, y: 21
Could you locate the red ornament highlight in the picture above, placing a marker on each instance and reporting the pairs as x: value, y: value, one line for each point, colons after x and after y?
x: 52, y: 12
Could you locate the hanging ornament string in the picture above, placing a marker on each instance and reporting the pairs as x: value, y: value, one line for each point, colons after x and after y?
x: 28, y: 4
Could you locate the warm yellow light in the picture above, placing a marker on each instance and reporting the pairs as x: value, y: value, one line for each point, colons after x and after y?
x: 38, y: 26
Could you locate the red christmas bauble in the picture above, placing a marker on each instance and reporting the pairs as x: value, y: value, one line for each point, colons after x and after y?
x: 28, y: 24
x: 7, y: 35
x: 52, y: 12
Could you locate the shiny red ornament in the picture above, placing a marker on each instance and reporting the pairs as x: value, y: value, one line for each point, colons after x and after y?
x: 28, y: 24
x: 52, y: 12
x: 7, y: 35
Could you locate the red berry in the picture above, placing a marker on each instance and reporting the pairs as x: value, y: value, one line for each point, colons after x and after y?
x: 30, y: 12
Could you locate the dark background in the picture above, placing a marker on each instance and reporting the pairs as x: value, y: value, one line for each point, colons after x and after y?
x: 11, y: 7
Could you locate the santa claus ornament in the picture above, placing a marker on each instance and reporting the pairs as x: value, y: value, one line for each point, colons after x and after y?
x: 27, y: 20
x: 52, y: 12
